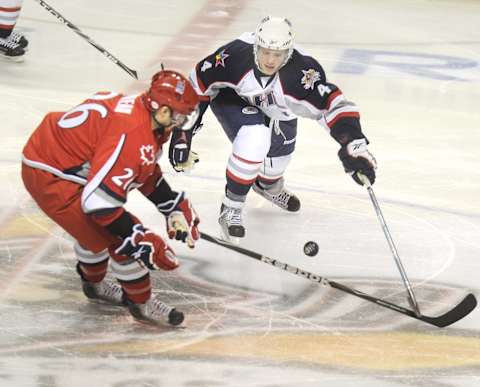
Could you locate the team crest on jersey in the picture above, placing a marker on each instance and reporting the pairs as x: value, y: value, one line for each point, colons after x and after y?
x: 147, y: 154
x: 310, y: 76
x: 220, y: 58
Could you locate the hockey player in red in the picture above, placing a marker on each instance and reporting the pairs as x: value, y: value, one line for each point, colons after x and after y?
x: 80, y: 165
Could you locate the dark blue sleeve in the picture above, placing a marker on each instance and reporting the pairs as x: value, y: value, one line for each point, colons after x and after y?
x: 228, y: 64
x: 303, y: 78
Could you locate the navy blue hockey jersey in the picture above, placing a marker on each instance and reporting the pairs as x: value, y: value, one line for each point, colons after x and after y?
x: 298, y: 89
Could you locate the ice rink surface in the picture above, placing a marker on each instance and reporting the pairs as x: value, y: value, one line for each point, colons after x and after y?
x: 412, y: 66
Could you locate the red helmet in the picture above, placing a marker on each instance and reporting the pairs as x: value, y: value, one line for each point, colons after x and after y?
x: 173, y: 90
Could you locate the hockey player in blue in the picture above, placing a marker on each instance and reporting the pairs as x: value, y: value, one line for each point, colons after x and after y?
x: 257, y: 86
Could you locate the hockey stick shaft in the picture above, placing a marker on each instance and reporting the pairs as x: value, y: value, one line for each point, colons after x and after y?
x: 77, y: 30
x: 458, y: 312
x: 412, y: 300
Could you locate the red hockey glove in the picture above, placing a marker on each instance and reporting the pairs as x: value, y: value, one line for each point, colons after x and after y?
x: 149, y: 248
x: 356, y: 159
x: 182, y: 219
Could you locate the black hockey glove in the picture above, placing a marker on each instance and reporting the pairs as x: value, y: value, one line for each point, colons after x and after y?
x: 356, y: 159
x: 181, y: 157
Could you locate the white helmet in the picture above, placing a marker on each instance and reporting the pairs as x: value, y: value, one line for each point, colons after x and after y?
x: 274, y: 33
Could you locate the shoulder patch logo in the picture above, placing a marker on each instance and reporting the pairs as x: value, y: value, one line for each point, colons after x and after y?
x: 147, y: 154
x: 205, y: 66
x: 220, y: 58
x: 309, y: 78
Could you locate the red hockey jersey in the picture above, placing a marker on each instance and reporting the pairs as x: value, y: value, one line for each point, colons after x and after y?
x: 106, y: 144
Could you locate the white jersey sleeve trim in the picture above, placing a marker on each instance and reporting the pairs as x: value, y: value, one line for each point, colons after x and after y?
x: 53, y: 171
x: 93, y: 198
x: 303, y: 108
x: 331, y: 115
x: 194, y: 81
x: 247, y: 37
x: 336, y: 101
x: 212, y: 90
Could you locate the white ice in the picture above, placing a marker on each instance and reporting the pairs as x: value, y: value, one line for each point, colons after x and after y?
x: 412, y: 66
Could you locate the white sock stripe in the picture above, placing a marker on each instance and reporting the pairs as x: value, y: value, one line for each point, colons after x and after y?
x: 240, y: 175
x: 130, y: 271
x: 12, y: 3
x: 9, y: 18
x: 86, y: 256
x: 78, y: 248
x: 146, y: 288
x: 92, y: 260
x: 243, y: 171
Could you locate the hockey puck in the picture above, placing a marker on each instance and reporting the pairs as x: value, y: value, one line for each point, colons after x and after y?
x: 310, y: 248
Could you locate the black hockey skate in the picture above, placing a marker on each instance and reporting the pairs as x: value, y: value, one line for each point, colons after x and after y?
x: 156, y: 312
x: 104, y: 290
x: 279, y: 196
x: 11, y: 50
x: 19, y: 39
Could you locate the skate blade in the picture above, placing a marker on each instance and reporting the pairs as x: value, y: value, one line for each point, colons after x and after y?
x: 159, y: 324
x: 225, y: 236
x: 105, y: 302
x: 231, y: 239
x: 12, y: 59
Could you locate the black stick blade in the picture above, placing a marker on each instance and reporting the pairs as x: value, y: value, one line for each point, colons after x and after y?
x: 457, y: 313
x: 452, y: 316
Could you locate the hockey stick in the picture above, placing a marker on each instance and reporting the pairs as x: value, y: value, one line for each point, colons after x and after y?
x: 458, y: 312
x: 75, y: 29
x: 411, y: 296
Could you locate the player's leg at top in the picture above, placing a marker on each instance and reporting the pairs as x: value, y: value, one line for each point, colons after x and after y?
x: 13, y: 44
